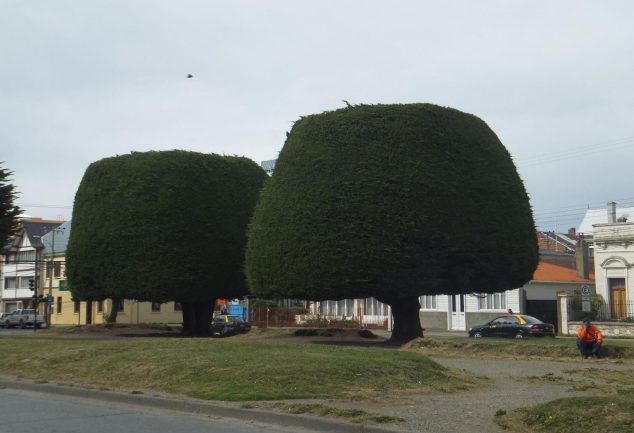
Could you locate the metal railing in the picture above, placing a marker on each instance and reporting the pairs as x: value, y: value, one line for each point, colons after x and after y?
x: 600, y: 310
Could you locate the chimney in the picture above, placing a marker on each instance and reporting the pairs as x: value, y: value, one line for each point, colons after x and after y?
x: 581, y: 259
x: 572, y: 232
x: 611, y: 212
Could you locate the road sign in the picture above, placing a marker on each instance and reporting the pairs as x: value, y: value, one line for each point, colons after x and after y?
x: 586, y: 306
x: 585, y: 290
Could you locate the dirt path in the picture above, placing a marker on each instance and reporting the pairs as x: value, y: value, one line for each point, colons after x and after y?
x: 473, y: 411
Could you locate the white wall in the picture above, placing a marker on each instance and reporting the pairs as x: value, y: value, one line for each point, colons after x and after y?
x: 614, y: 256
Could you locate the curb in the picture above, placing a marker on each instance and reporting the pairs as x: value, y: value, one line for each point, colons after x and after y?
x: 199, y: 407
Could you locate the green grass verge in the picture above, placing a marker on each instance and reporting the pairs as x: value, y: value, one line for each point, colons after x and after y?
x: 614, y: 414
x: 510, y: 348
x: 230, y: 370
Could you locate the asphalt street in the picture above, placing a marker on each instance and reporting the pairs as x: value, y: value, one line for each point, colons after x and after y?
x: 32, y: 412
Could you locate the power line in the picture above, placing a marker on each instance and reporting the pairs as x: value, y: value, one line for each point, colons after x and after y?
x: 46, y: 206
x: 579, y: 151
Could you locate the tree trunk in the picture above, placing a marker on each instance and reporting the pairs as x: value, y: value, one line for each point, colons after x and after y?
x: 189, y: 319
x: 197, y: 317
x: 114, y: 310
x: 406, y: 320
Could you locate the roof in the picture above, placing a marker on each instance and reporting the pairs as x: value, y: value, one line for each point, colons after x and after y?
x: 34, y: 229
x: 552, y: 272
x: 600, y: 216
x: 555, y: 241
x: 60, y: 236
x: 268, y: 165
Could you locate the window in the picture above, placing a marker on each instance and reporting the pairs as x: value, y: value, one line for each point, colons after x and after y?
x: 59, y: 305
x: 24, y: 282
x: 77, y: 305
x: 99, y: 306
x: 11, y: 283
x: 506, y: 321
x: 427, y: 302
x: 57, y: 269
x: 492, y: 301
x: 373, y: 307
x: 26, y: 256
x: 156, y: 307
x: 178, y: 306
x: 120, y: 305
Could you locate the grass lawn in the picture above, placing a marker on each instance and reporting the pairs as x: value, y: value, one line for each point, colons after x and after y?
x: 229, y: 369
x: 613, y: 413
x: 511, y: 348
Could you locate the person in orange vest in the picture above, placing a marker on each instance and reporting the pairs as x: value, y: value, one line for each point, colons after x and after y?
x: 589, y: 339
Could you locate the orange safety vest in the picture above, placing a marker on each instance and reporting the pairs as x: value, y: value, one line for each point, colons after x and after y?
x: 591, y: 334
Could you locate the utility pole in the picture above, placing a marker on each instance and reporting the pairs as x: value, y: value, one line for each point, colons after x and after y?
x: 51, y: 269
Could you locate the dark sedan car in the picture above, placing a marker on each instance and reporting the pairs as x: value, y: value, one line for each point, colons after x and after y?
x: 513, y: 325
x: 229, y: 325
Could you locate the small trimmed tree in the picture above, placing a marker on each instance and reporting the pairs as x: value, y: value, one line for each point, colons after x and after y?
x: 394, y: 202
x: 8, y: 210
x: 162, y: 226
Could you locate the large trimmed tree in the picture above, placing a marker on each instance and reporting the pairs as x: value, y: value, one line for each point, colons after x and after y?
x: 8, y: 210
x: 394, y: 202
x: 163, y: 226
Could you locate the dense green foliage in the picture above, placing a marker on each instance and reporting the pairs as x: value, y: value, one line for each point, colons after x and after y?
x: 162, y: 226
x: 391, y: 201
x: 8, y: 210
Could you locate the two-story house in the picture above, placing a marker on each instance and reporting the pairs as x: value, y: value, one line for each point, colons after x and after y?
x: 22, y: 263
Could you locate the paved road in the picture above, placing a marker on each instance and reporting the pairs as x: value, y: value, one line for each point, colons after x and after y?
x: 31, y: 412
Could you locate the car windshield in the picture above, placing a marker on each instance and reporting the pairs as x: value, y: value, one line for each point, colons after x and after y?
x: 531, y: 319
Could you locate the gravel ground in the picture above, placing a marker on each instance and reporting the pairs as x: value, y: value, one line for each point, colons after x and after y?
x: 473, y: 411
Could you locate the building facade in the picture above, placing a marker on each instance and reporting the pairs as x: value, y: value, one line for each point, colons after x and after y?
x: 614, y: 259
x: 22, y: 267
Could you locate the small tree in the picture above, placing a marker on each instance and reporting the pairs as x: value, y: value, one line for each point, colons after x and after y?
x: 391, y: 201
x: 160, y: 226
x: 8, y: 210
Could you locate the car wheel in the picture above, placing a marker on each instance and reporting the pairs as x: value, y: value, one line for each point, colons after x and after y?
x: 520, y: 335
x: 477, y: 334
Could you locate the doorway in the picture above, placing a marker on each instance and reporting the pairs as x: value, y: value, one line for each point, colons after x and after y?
x: 618, y: 308
x: 546, y: 311
x: 458, y: 322
x: 89, y: 313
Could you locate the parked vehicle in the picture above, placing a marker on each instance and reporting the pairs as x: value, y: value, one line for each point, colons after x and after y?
x: 228, y: 325
x: 3, y: 318
x: 23, y: 318
x: 513, y: 325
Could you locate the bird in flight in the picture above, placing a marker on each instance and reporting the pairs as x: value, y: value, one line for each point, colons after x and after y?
x: 190, y: 76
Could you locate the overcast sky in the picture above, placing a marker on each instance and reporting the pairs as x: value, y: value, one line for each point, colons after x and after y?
x: 84, y: 80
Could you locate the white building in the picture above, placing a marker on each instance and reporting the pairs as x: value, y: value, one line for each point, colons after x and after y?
x: 22, y: 264
x: 614, y: 258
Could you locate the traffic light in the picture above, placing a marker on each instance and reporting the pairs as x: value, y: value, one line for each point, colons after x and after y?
x: 32, y: 285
